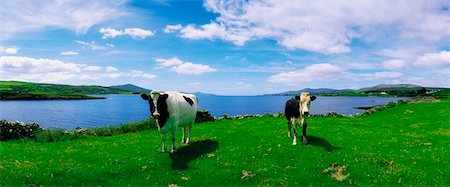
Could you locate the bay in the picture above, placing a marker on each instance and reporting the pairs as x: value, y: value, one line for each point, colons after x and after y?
x: 117, y: 109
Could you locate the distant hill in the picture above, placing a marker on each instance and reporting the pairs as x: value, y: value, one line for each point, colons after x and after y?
x: 15, y: 90
x: 391, y: 87
x: 131, y: 88
x: 389, y: 90
x: 401, y: 90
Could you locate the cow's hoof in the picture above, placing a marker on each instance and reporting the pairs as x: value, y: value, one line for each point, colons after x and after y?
x: 305, y: 143
x: 289, y: 135
x: 294, y: 143
x: 173, y: 151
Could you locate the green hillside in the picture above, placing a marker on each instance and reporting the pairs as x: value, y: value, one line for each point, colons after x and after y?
x: 386, y: 90
x: 131, y: 88
x: 14, y: 90
x: 407, y: 145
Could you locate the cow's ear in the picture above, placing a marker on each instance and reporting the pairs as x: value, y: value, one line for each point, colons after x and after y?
x: 313, y: 98
x: 145, y: 96
x: 297, y: 97
x: 163, y: 96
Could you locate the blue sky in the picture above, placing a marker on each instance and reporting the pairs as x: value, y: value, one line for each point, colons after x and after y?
x: 226, y: 47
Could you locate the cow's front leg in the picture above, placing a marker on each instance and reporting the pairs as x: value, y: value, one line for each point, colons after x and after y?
x: 305, y: 141
x: 295, y: 136
x: 189, y: 134
x: 289, y: 129
x: 295, y: 132
x: 163, y: 137
x: 183, y: 138
x: 174, y: 133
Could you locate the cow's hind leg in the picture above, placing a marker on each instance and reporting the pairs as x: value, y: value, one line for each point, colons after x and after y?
x: 174, y: 134
x: 305, y: 141
x: 183, y: 139
x: 189, y: 127
x: 289, y: 129
x: 163, y: 137
x: 295, y: 136
x: 295, y: 131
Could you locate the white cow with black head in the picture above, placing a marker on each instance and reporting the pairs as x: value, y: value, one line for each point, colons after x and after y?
x: 173, y: 109
x: 296, y: 112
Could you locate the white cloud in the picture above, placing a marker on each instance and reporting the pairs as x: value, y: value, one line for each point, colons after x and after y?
x: 68, y: 53
x: 78, y: 16
x: 148, y: 76
x: 116, y: 75
x: 406, y: 53
x: 314, y: 42
x: 89, y: 77
x: 136, y: 33
x: 382, y: 75
x: 192, y: 69
x: 54, y: 71
x: 168, y: 62
x: 315, y: 72
x: 111, y: 69
x: 212, y: 31
x: 94, y: 46
x: 9, y: 50
x: 320, y: 26
x: 110, y: 33
x: 359, y: 65
x: 393, y: 64
x: 132, y: 74
x: 32, y: 69
x: 172, y: 28
x: 433, y: 60
x: 387, y: 75
x: 92, y: 68
x: 140, y: 74
x: 181, y: 67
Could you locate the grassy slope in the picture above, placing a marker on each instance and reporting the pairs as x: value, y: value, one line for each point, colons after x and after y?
x: 10, y: 90
x: 375, y: 91
x: 405, y: 145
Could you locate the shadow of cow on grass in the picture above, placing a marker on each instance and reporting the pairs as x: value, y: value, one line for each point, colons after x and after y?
x: 320, y: 142
x: 193, y: 151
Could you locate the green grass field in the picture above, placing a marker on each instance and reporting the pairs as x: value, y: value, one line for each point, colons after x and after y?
x: 15, y: 90
x: 405, y: 145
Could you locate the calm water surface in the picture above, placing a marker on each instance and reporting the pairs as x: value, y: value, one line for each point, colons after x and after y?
x: 118, y: 109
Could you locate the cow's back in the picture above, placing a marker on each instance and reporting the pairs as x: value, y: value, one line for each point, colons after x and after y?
x: 292, y: 109
x: 182, y: 108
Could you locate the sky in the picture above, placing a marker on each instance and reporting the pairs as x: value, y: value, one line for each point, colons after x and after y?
x: 226, y: 47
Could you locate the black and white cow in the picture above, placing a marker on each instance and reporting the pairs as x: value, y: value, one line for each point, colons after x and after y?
x: 296, y: 112
x: 173, y: 109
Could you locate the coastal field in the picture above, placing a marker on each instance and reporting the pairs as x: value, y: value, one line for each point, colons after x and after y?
x: 405, y: 145
x: 16, y: 90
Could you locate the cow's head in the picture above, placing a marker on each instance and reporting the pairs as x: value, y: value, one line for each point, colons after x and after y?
x: 157, y: 102
x: 305, y: 100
